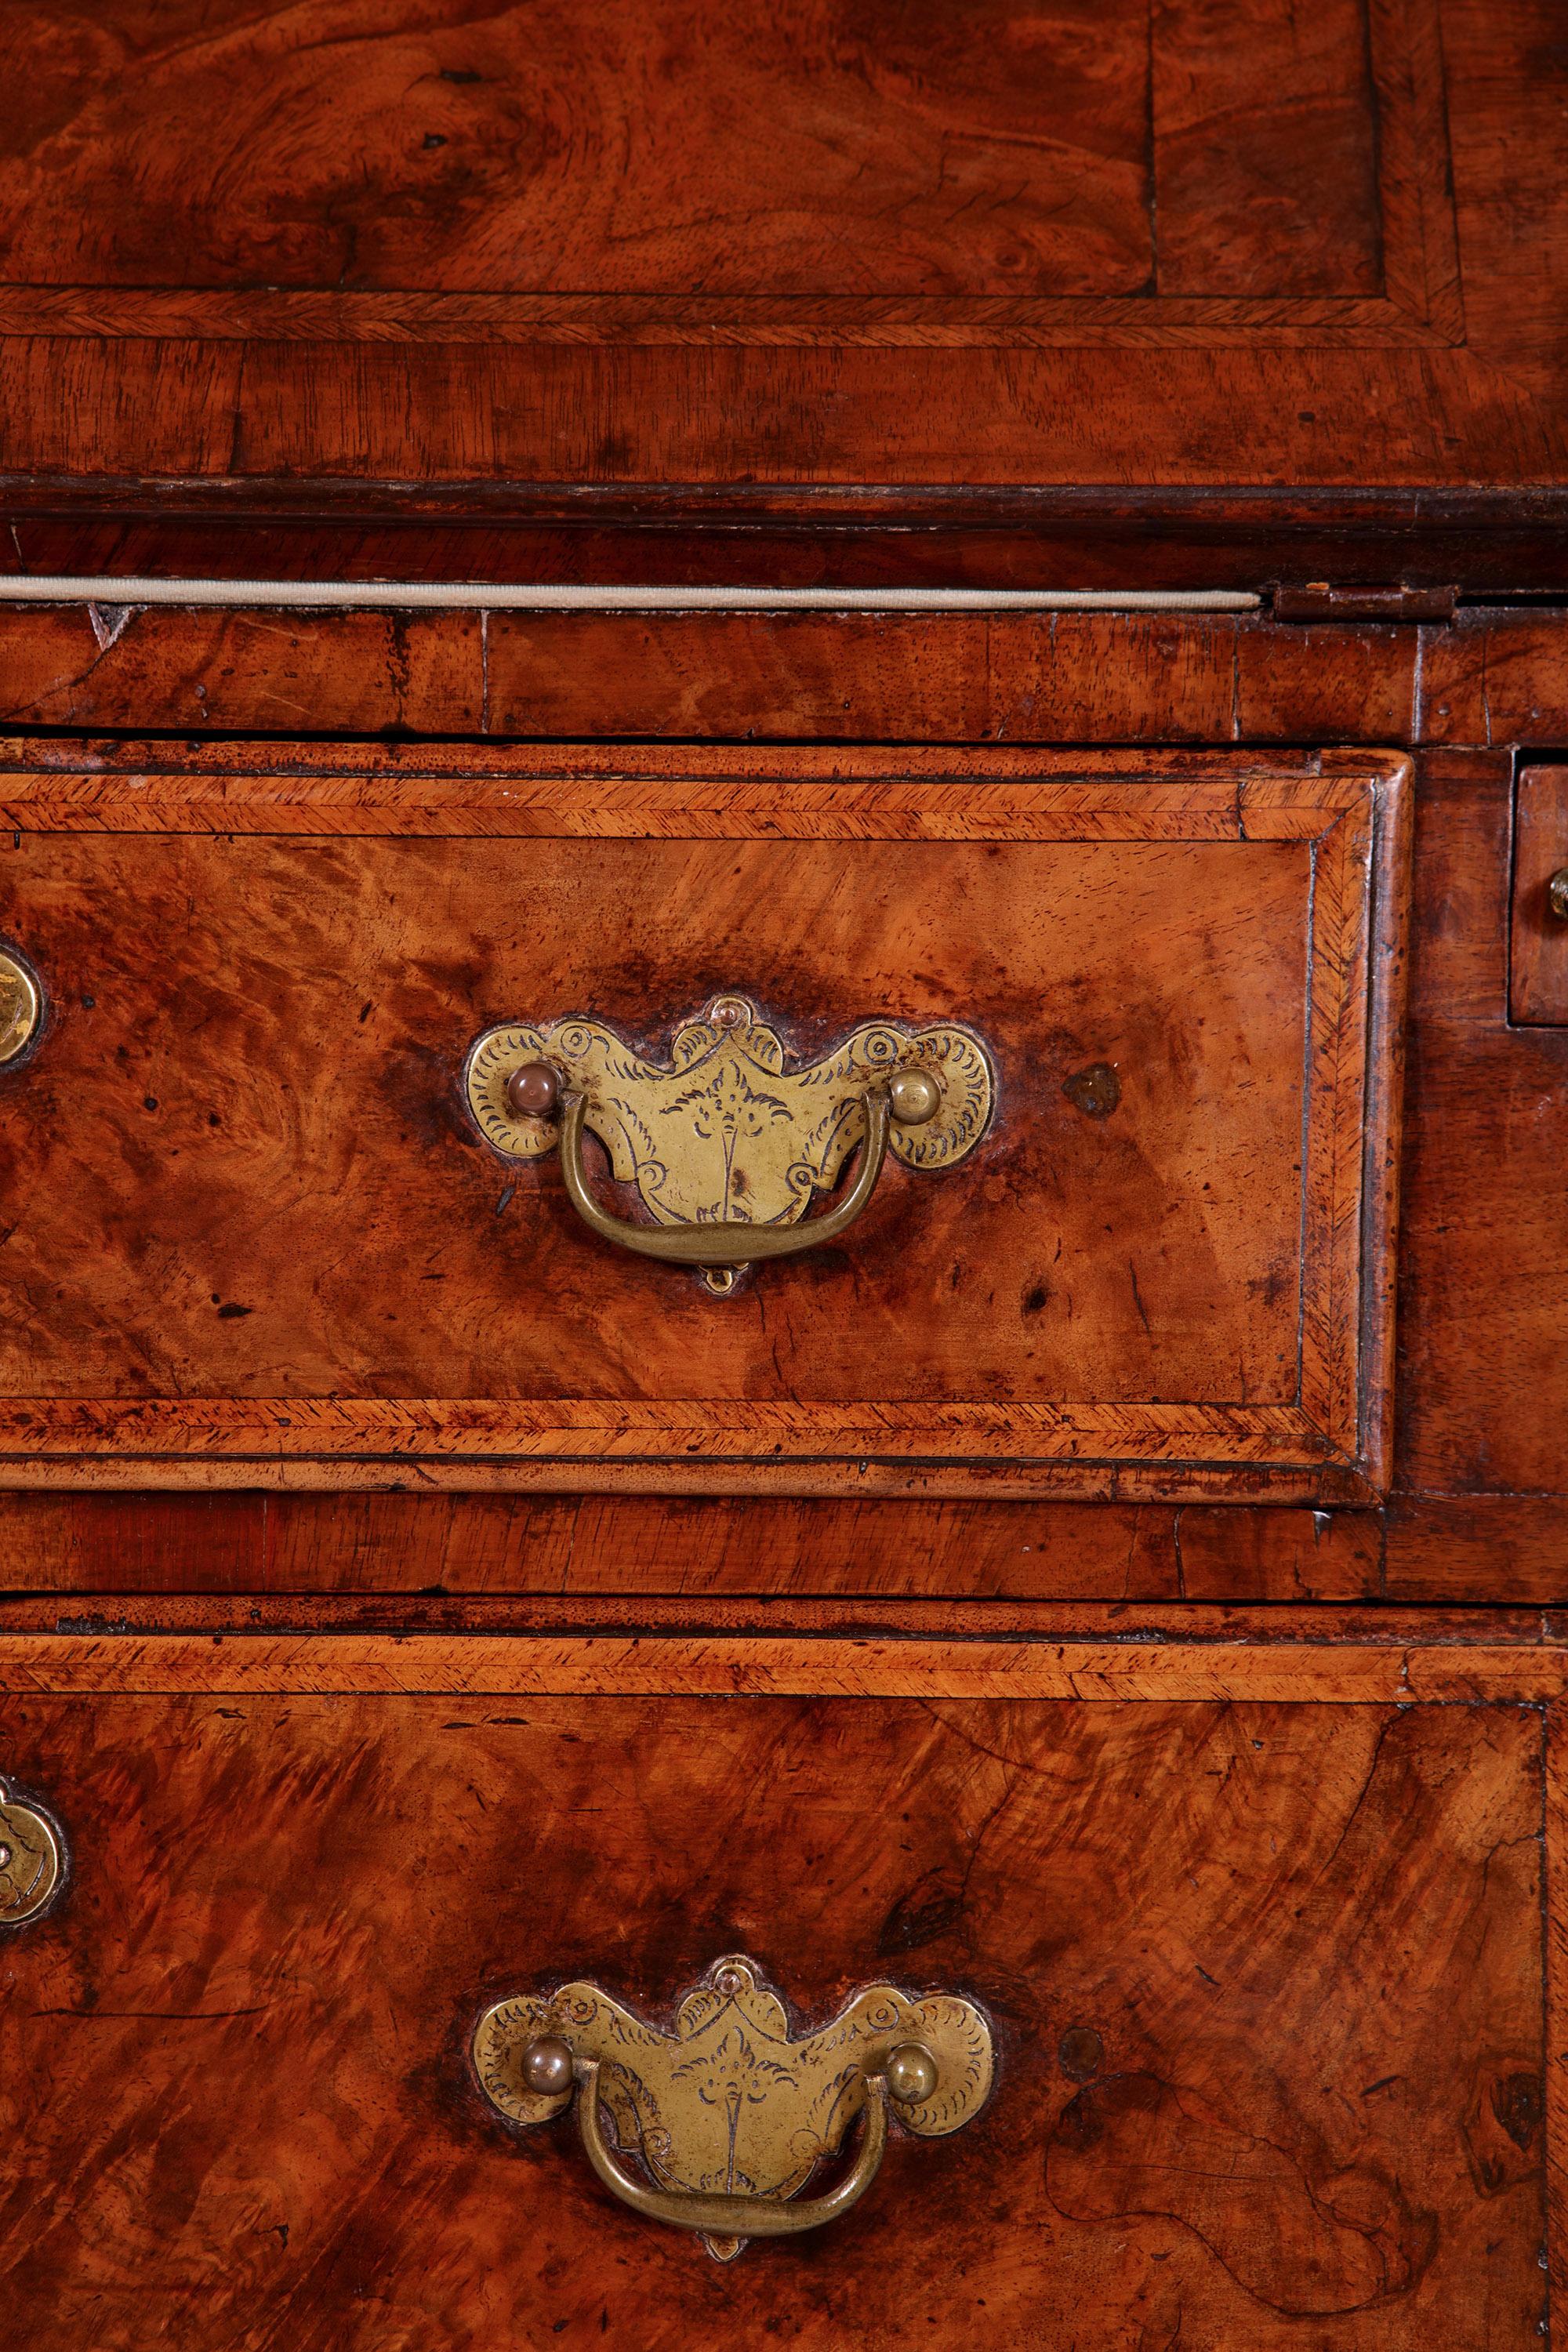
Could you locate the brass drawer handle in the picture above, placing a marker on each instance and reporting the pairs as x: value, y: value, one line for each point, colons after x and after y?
x: 725, y: 1144
x: 731, y: 2221
x: 729, y: 2115
x: 727, y: 1246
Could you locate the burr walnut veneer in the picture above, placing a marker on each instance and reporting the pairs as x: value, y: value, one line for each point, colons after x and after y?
x: 1259, y: 1936
x: 1028, y: 1732
x: 276, y: 1243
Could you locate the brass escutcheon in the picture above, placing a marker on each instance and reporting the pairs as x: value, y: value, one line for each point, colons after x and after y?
x: 21, y: 1006
x: 1557, y: 894
x: 729, y: 2115
x: 726, y: 1145
x: 32, y: 1861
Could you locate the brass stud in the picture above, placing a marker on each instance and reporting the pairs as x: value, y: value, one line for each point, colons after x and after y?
x: 534, y: 1090
x: 910, y: 2074
x: 1557, y: 894
x: 915, y: 1097
x: 20, y: 1007
x: 546, y: 2066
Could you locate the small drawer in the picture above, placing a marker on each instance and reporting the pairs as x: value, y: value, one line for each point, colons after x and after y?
x: 1117, y: 1037
x: 1247, y: 1993
x: 1539, y: 956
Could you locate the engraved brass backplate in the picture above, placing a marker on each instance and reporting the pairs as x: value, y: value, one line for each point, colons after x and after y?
x: 725, y: 1132
x: 32, y: 1862
x: 729, y: 2111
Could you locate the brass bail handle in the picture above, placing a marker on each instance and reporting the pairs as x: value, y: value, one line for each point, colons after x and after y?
x: 728, y: 2218
x: 716, y: 2124
x: 907, y: 2074
x: 726, y: 1246
x: 731, y: 1137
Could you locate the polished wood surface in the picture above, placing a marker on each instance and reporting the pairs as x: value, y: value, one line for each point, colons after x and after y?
x: 1089, y: 1661
x: 1165, y: 245
x: 435, y: 1544
x: 1019, y: 534
x: 1479, y: 1459
x: 1493, y: 677
x: 428, y: 1551
x: 269, y: 1231
x: 937, y: 677
x: 1186, y: 2135
x: 676, y: 173
x: 1484, y: 1374
x: 1138, y: 1607
x: 1539, y: 944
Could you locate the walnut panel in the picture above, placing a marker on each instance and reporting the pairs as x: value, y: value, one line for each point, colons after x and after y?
x: 1188, y: 246
x: 256, y: 1222
x: 683, y: 172
x: 241, y: 2039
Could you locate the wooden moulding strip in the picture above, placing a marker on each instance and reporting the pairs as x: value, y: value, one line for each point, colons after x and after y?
x: 500, y: 1666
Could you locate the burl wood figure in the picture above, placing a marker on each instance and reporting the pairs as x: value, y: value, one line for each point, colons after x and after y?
x: 784, y: 1177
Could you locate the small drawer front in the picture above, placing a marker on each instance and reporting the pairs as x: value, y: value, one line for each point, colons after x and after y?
x: 1263, y: 1983
x: 1539, y: 961
x: 280, y: 1174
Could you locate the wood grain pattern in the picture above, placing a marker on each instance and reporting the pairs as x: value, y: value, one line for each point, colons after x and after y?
x: 1538, y: 963
x: 870, y: 1615
x: 1483, y: 1378
x: 326, y: 2173
x: 851, y: 676
x: 1176, y: 246
x: 258, y: 1307
x: 443, y: 1558
x: 1342, y: 1672
x: 583, y: 1545
x: 1494, y: 676
x: 105, y: 667
x: 1439, y: 1549
x: 1556, y: 1918
x: 847, y: 175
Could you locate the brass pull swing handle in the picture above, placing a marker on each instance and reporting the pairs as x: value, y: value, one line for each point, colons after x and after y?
x: 732, y: 2217
x: 723, y: 1244
x: 732, y: 2094
x: 731, y: 1127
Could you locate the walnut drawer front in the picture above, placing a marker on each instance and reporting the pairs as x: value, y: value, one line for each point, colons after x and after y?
x: 255, y: 1230
x: 1264, y: 1976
